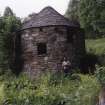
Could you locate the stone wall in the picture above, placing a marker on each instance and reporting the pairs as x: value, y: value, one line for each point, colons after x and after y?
x: 55, y: 38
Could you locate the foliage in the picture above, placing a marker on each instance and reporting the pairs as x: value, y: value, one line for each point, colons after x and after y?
x: 92, y: 16
x: 49, y: 90
x: 100, y: 74
x: 88, y: 62
x: 8, y: 12
x: 72, y: 11
x: 8, y: 26
x: 97, y: 47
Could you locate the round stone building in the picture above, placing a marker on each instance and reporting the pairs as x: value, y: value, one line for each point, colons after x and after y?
x: 48, y: 37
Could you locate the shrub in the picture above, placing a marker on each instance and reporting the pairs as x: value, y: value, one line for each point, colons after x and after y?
x: 50, y: 89
x: 88, y: 63
x: 100, y: 74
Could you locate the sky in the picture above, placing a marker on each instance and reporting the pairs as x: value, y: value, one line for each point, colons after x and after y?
x: 22, y: 8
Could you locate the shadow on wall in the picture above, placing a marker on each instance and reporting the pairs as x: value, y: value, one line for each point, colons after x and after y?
x: 88, y: 63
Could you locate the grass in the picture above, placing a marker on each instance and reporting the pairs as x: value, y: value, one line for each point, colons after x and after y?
x: 51, y: 90
x: 96, y: 46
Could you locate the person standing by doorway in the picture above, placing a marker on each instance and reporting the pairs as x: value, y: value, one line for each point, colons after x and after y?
x: 66, y: 65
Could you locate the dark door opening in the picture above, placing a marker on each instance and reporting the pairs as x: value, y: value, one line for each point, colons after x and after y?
x: 42, y: 48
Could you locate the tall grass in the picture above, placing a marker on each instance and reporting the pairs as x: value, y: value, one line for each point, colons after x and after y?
x: 96, y: 46
x: 50, y: 89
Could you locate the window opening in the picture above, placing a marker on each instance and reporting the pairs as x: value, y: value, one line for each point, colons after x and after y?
x: 41, y: 48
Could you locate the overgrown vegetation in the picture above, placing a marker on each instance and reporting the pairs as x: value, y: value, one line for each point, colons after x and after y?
x: 53, y: 89
x: 97, y: 47
x: 72, y: 11
x: 9, y: 25
x: 100, y: 74
x: 90, y: 14
x: 49, y: 89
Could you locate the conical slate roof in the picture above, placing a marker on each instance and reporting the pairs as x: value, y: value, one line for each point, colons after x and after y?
x: 48, y: 17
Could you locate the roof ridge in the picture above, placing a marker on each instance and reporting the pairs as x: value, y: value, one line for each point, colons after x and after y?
x: 48, y: 17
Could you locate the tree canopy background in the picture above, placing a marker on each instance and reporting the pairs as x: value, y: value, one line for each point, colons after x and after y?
x: 9, y: 25
x: 72, y: 11
x: 90, y: 14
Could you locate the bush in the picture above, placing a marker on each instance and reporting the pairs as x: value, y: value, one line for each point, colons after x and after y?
x: 100, y: 74
x: 88, y: 63
x: 50, y: 89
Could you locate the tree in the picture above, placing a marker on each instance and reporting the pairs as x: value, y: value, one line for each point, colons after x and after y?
x: 99, y: 24
x: 2, y: 55
x: 92, y: 16
x: 72, y: 11
x: 8, y: 12
x: 9, y: 25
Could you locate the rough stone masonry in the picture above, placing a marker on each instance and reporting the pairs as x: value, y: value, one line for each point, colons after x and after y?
x: 48, y: 37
